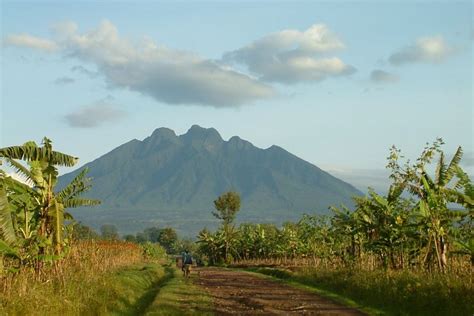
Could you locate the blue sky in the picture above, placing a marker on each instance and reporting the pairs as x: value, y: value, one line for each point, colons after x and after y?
x: 334, y: 83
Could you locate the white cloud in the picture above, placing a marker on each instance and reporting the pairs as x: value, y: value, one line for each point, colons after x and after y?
x: 94, y: 115
x: 292, y: 56
x: 167, y: 75
x: 425, y: 50
x: 29, y: 41
x: 381, y: 76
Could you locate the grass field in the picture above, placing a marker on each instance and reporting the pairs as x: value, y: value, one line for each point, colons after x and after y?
x: 69, y: 286
x: 130, y: 291
x: 104, y: 278
x: 180, y: 296
x: 387, y: 293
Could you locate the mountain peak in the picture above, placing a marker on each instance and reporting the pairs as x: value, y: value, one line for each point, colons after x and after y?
x: 275, y: 148
x: 197, y: 135
x: 174, y: 179
x: 163, y: 132
x: 239, y: 143
x: 160, y: 136
x: 198, y: 131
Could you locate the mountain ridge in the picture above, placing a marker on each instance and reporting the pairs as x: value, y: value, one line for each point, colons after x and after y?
x: 170, y: 179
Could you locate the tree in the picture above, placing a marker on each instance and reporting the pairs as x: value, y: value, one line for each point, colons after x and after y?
x: 141, y: 238
x: 168, y: 239
x: 152, y: 234
x: 383, y: 221
x: 83, y: 232
x: 434, y: 195
x: 130, y: 238
x: 109, y: 232
x: 227, y: 205
x: 345, y: 228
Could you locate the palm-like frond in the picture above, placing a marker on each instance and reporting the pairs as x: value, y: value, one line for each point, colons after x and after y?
x: 394, y: 192
x: 459, y: 198
x: 440, y: 173
x: 69, y: 195
x: 426, y: 181
x: 466, y: 247
x: 31, y: 152
x: 416, y: 190
x: 452, y: 168
x: 7, y: 250
x: 37, y: 174
x: 72, y: 203
x: 6, y: 225
x: 18, y: 187
x: 464, y: 182
x: 68, y: 216
x: 380, y: 200
x: 19, y: 168
x: 76, y: 187
x: 56, y: 213
x: 452, y: 214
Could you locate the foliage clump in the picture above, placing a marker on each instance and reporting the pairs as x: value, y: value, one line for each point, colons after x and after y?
x: 417, y: 224
x: 219, y: 247
x: 35, y: 226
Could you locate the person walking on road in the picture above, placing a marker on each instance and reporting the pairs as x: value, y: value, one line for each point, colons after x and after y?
x: 187, y: 262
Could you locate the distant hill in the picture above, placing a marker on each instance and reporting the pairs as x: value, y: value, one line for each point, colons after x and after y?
x: 172, y: 180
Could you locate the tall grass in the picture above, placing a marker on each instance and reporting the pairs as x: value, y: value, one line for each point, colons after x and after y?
x: 399, y: 292
x: 130, y: 291
x: 70, y: 285
x: 395, y: 292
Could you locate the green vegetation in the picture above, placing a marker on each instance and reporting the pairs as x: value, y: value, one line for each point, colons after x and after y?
x: 401, y: 292
x: 103, y: 278
x: 166, y: 237
x: 295, y: 279
x: 131, y: 290
x: 180, y: 297
x: 109, y: 232
x: 389, y: 232
x: 73, y: 285
x: 54, y: 265
x: 391, y: 249
x: 83, y: 232
x: 227, y: 205
x: 33, y: 229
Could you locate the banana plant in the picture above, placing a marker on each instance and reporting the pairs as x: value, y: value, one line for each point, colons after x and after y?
x: 8, y: 240
x: 345, y: 226
x: 46, y: 210
x: 450, y: 184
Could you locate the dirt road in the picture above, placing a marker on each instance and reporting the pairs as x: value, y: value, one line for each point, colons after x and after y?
x: 242, y: 293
